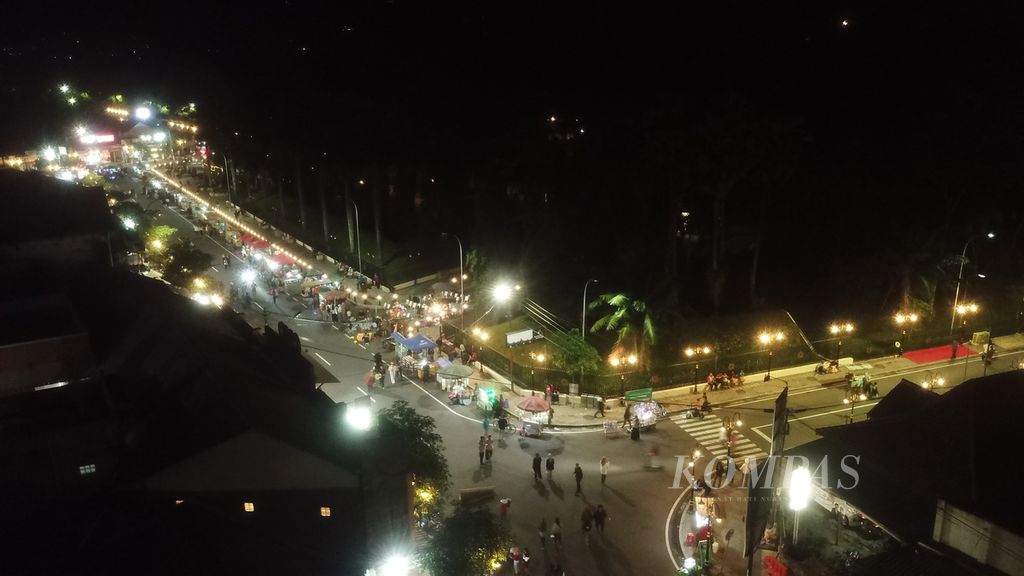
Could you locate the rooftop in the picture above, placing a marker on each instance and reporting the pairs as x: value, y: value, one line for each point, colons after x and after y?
x: 40, y: 207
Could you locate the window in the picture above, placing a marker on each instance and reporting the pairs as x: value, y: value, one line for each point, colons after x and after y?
x: 250, y: 507
x: 325, y: 511
x: 87, y: 469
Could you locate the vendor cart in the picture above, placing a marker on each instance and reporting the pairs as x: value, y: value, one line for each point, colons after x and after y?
x: 531, y: 429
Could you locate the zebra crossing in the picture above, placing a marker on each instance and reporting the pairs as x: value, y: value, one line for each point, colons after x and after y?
x: 707, y: 432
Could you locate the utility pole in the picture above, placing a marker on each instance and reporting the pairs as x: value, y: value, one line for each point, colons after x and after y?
x: 322, y: 179
x: 348, y: 217
x: 374, y: 183
x: 302, y: 197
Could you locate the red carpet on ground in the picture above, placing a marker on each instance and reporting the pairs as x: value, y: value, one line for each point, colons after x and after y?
x: 936, y: 354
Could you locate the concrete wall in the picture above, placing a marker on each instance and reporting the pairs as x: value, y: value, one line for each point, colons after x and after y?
x: 980, y: 539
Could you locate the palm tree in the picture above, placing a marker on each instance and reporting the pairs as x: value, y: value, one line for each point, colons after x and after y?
x: 631, y: 321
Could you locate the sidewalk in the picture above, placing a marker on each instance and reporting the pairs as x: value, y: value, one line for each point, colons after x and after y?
x: 755, y: 388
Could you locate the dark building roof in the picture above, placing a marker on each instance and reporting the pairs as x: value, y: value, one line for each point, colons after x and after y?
x: 918, y: 561
x: 40, y: 207
x: 905, y: 398
x: 948, y: 449
x: 37, y: 318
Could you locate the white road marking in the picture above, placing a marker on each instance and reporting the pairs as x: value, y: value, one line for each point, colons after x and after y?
x: 214, y: 268
x: 335, y: 327
x: 322, y: 358
x: 258, y: 306
x: 305, y: 339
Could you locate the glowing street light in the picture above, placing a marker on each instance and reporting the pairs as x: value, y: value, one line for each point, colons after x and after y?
x: 396, y: 565
x: 64, y: 88
x: 960, y: 276
x: 799, y: 496
x: 905, y: 321
x: 143, y: 113
x: 696, y: 352
x: 248, y: 275
x: 769, y: 339
x: 49, y: 154
x: 837, y: 330
x: 535, y: 357
x: 358, y: 417
x: 129, y: 223
x: 502, y: 292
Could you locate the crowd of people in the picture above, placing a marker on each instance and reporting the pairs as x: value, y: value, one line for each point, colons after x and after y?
x: 723, y: 380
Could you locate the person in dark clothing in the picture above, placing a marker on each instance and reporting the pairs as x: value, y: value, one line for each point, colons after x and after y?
x: 536, y: 466
x: 600, y: 408
x: 577, y: 474
x: 550, y: 465
x: 600, y: 515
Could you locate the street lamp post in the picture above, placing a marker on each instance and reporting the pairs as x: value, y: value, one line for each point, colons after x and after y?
x: 696, y: 351
x: 799, y: 496
x: 906, y: 322
x: 959, y: 278
x: 534, y: 358
x: 837, y: 330
x: 462, y: 280
x: 768, y: 339
x: 615, y: 361
x: 359, y: 245
x: 852, y: 398
x: 965, y: 310
x: 583, y: 325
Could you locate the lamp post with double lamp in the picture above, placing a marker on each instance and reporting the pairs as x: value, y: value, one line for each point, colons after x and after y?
x: 769, y: 339
x: 960, y: 277
x: 359, y: 245
x: 462, y: 280
x: 695, y: 352
x: 965, y: 311
x: 837, y: 330
x: 616, y: 362
x: 535, y: 358
x: 905, y: 321
x: 799, y: 496
x: 851, y: 400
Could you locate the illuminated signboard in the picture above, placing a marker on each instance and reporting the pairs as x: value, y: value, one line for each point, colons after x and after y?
x: 96, y: 138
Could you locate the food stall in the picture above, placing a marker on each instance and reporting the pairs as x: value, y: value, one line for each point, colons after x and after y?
x: 644, y: 408
x: 449, y: 374
x: 533, y: 411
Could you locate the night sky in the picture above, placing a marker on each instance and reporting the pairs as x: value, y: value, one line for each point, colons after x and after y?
x: 895, y: 134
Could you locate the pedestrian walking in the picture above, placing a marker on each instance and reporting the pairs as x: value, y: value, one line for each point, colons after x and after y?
x: 487, y: 424
x: 600, y: 408
x: 604, y: 469
x: 600, y: 515
x: 488, y: 448
x: 550, y: 464
x: 625, y: 415
x: 956, y: 346
x: 542, y: 533
x: 516, y: 556
x: 392, y: 371
x: 551, y: 416
x: 556, y: 531
x: 745, y: 471
x: 536, y: 466
x: 480, y: 447
x: 578, y: 475
x: 273, y: 294
x: 586, y: 522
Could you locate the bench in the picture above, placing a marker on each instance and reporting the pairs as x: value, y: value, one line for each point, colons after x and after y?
x: 478, y: 494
